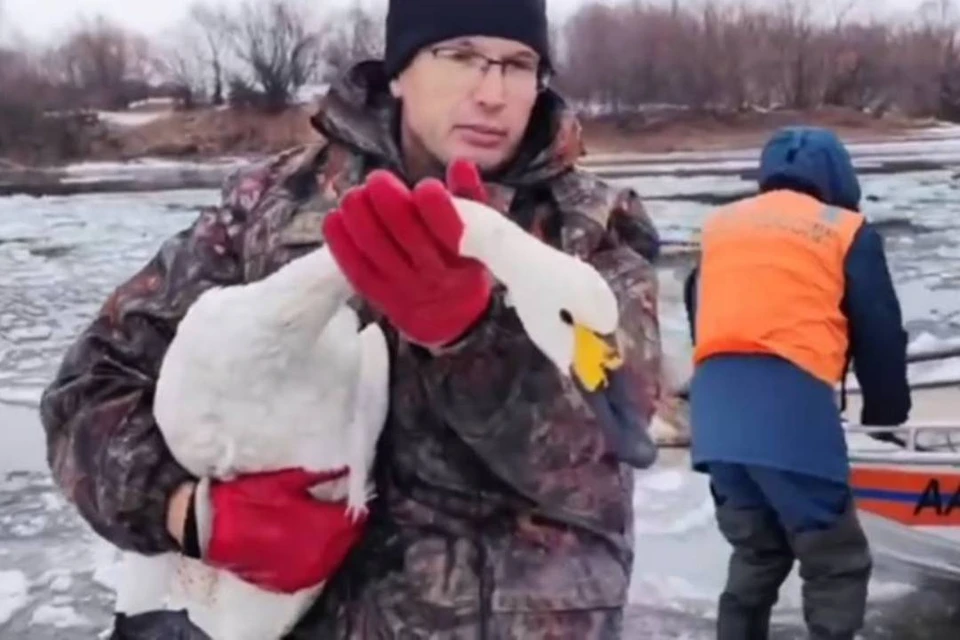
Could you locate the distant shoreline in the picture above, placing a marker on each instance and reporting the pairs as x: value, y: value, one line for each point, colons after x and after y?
x: 42, y: 182
x: 198, y: 149
x: 209, y: 132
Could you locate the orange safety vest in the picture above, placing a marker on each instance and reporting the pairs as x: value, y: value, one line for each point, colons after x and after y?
x: 771, y: 282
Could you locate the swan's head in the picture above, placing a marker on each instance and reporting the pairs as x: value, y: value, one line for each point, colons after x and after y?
x: 569, y: 312
x: 566, y: 306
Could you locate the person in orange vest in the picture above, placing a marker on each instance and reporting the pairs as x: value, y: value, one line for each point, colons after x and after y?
x: 792, y: 284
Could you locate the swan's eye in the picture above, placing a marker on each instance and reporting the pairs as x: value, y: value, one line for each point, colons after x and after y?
x: 566, y: 317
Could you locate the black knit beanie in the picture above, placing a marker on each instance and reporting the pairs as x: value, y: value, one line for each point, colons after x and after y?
x: 415, y: 24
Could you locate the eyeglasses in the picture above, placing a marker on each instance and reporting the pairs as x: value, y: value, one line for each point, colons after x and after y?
x: 466, y: 68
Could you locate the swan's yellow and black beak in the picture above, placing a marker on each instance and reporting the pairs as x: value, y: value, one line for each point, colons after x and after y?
x: 598, y: 369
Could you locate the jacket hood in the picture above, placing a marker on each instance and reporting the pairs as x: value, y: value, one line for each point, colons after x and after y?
x: 359, y: 112
x: 813, y: 160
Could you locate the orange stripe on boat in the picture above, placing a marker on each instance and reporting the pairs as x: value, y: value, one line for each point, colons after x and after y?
x: 914, y: 498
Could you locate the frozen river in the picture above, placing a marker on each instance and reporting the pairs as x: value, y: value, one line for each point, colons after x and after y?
x: 60, y: 257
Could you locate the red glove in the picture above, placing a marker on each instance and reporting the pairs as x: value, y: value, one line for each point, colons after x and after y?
x: 268, y: 530
x: 399, y: 251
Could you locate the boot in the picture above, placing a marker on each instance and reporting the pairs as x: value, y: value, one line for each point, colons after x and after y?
x: 761, y: 561
x: 835, y: 566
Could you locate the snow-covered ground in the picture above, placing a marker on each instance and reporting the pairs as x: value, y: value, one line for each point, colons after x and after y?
x: 60, y: 257
x: 130, y: 119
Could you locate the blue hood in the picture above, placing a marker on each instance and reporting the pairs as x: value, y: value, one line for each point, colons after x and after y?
x: 811, y: 158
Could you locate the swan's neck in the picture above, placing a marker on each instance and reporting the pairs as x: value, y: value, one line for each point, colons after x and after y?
x: 304, y: 294
x: 498, y: 242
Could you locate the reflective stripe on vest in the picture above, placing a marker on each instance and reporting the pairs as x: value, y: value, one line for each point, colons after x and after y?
x: 772, y: 281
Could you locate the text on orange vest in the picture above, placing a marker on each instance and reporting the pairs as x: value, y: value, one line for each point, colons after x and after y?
x: 772, y: 281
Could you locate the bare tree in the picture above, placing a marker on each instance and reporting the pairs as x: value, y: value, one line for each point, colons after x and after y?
x: 103, y: 65
x: 349, y: 37
x: 28, y: 133
x: 196, y: 58
x: 209, y: 21
x: 798, y: 62
x: 590, y: 68
x: 948, y: 102
x: 275, y: 46
x: 7, y: 28
x: 841, y: 11
x: 183, y: 66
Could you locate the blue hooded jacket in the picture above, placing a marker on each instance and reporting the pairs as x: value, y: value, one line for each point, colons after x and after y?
x: 763, y: 410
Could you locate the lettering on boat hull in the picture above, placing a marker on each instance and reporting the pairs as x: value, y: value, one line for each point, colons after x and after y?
x: 914, y: 498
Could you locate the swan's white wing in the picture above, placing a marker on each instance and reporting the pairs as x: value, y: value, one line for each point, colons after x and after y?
x: 257, y: 372
x: 261, y: 377
x: 370, y: 413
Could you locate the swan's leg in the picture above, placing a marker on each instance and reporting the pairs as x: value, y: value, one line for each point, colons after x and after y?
x: 370, y: 413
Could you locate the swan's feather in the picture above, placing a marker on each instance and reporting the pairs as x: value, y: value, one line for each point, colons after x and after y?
x: 262, y: 377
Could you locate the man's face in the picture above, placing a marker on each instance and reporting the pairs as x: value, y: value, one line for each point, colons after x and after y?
x: 457, y: 105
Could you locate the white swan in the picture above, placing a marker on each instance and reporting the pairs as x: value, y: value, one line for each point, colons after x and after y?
x: 261, y: 377
x: 274, y: 374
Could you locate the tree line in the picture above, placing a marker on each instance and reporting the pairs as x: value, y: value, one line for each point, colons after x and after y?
x: 262, y: 50
x: 783, y: 53
x: 612, y: 57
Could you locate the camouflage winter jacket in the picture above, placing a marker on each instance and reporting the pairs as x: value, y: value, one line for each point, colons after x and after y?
x: 493, y: 496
